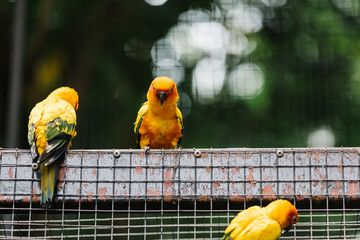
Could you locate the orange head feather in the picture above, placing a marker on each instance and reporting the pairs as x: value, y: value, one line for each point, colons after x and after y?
x: 283, y: 212
x: 67, y: 94
x: 162, y: 91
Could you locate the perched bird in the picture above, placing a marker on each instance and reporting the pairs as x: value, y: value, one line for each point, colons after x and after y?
x: 50, y: 131
x: 159, y: 122
x: 267, y: 223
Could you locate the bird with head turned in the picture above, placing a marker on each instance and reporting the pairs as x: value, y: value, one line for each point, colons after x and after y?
x: 51, y: 128
x: 267, y: 223
x: 159, y: 122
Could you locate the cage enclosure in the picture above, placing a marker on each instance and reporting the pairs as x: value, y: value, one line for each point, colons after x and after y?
x: 180, y: 194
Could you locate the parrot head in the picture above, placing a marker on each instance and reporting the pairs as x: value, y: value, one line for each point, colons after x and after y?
x: 67, y: 94
x: 283, y: 212
x: 163, y: 90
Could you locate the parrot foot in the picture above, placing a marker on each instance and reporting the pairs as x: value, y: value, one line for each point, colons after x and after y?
x: 146, y: 149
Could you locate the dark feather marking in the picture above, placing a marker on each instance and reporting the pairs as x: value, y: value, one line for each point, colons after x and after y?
x: 138, y: 136
x: 182, y: 129
x: 56, y: 147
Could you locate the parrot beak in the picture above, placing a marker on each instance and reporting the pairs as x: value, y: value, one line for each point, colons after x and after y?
x: 162, y: 96
x: 286, y: 229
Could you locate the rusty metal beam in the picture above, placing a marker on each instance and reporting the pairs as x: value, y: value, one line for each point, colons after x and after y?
x: 206, y: 174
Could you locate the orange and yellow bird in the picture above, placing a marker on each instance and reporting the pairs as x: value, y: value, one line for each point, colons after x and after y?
x: 159, y: 122
x: 267, y: 223
x: 50, y: 131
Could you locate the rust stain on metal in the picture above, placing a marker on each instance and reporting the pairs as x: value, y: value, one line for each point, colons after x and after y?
x: 25, y: 199
x: 89, y: 197
x: 216, y: 185
x: 335, y: 191
x: 102, y: 192
x: 317, y: 154
x: 208, y: 169
x: 204, y: 198
x: 340, y: 166
x: 168, y: 186
x: 60, y: 184
x: 36, y: 198
x: 152, y: 171
x: 11, y: 175
x: 85, y: 185
x: 300, y: 198
x: 205, y: 155
x: 319, y: 197
x: 237, y: 198
x: 248, y: 155
x: 235, y: 170
x: 2, y: 198
x: 353, y: 188
x: 153, y: 193
x: 289, y: 189
x: 167, y: 198
x: 138, y: 170
x: 61, y: 172
x: 250, y: 178
x: 317, y: 171
x: 94, y: 172
x: 269, y: 192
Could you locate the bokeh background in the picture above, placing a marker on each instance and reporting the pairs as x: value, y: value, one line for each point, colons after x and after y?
x: 259, y: 73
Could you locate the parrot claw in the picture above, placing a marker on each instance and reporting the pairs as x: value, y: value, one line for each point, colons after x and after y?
x: 146, y: 149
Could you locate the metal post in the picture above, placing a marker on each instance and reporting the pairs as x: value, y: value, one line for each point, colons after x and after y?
x: 16, y: 73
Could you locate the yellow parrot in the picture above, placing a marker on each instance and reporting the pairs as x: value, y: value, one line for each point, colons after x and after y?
x: 267, y: 223
x: 50, y: 131
x: 159, y: 122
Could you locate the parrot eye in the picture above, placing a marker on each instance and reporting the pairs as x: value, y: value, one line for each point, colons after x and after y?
x: 171, y: 89
x: 294, y: 219
x: 154, y: 87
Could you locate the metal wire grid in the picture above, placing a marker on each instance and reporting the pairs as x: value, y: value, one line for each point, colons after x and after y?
x: 130, y: 194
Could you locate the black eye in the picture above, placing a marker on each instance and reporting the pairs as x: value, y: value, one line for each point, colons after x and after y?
x: 294, y: 219
x: 171, y: 89
x: 154, y: 87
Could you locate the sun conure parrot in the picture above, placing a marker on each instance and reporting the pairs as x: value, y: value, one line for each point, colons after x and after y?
x: 50, y: 131
x: 267, y: 223
x: 159, y: 122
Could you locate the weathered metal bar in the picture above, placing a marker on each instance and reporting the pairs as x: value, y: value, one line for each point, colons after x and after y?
x: 237, y: 174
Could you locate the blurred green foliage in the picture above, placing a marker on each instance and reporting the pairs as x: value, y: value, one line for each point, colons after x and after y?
x: 308, y: 51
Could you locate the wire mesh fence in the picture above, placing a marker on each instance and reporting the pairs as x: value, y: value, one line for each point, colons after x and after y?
x: 180, y: 194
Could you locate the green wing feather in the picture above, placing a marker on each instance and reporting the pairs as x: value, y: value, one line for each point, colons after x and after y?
x: 142, y: 112
x: 58, y: 134
x: 180, y: 120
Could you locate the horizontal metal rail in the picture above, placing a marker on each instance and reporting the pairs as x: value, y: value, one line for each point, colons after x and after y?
x: 240, y: 174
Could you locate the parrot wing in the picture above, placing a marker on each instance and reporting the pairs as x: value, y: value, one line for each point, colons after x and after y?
x: 180, y: 120
x: 261, y: 228
x: 34, y: 118
x: 142, y: 112
x: 241, y: 221
x: 60, y: 123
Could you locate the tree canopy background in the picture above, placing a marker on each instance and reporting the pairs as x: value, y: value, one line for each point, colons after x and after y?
x: 263, y: 73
